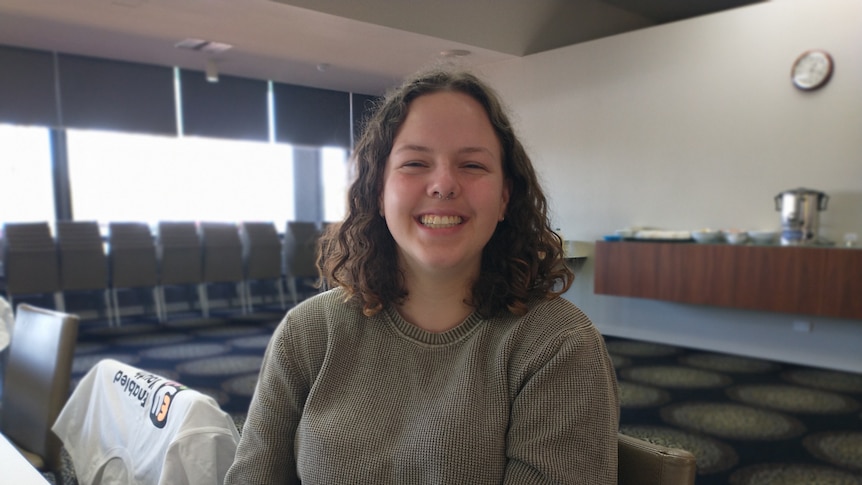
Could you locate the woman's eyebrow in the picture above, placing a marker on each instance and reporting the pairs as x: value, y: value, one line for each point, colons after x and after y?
x: 478, y: 149
x: 424, y: 149
x: 412, y: 148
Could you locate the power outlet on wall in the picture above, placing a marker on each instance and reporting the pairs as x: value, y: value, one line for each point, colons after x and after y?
x: 804, y: 326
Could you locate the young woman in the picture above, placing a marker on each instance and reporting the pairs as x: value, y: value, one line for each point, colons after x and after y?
x: 444, y: 354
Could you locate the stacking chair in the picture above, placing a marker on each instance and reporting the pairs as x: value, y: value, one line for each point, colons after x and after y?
x: 133, y: 263
x: 179, y: 251
x: 261, y: 256
x: 31, y: 262
x: 222, y: 259
x: 300, y: 255
x: 83, y: 262
x: 643, y: 463
x: 36, y: 382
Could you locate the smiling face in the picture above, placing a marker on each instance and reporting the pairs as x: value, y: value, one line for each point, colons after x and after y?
x: 444, y: 190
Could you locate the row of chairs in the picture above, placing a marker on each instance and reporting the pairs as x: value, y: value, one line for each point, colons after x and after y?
x: 78, y: 258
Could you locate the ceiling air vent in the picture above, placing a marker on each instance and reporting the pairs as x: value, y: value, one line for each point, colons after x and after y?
x: 202, y: 45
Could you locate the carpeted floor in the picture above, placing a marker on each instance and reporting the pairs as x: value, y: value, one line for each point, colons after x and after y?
x: 747, y: 421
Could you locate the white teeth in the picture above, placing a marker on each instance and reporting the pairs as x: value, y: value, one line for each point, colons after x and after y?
x: 436, y: 222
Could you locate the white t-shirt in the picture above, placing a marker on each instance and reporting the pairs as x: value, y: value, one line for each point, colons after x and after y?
x: 123, y: 425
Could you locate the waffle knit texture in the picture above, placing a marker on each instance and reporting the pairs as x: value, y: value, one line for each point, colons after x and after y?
x: 343, y: 398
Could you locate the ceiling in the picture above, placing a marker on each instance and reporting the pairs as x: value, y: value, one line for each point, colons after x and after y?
x: 363, y: 46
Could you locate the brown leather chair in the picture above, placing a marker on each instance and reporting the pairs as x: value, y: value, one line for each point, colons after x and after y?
x: 643, y: 463
x: 36, y: 382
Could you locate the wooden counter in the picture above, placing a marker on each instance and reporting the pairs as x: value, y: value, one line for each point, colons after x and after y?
x: 792, y: 279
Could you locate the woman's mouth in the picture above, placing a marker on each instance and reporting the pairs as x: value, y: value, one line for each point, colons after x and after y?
x: 439, y: 222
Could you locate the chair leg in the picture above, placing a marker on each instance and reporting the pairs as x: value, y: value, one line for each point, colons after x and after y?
x: 59, y: 301
x: 242, y: 288
x: 116, y: 303
x: 247, y: 292
x: 280, y: 288
x: 158, y: 303
x: 247, y: 288
x: 109, y: 308
x: 202, y: 296
x: 291, y: 286
x: 161, y: 290
x: 243, y: 298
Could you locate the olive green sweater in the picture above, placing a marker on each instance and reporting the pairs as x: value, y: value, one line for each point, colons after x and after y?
x: 347, y: 399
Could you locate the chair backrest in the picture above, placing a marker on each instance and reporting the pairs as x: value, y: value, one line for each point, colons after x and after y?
x: 179, y: 249
x: 31, y: 261
x: 644, y: 463
x: 261, y: 250
x: 7, y: 323
x: 222, y: 252
x: 36, y: 382
x: 132, y: 255
x: 179, y: 435
x: 300, y: 249
x: 83, y: 263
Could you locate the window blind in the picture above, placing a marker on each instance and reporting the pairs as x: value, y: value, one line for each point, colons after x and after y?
x: 233, y: 107
x: 116, y: 95
x: 311, y: 116
x: 27, y: 89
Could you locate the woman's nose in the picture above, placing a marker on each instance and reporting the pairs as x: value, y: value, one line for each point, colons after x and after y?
x: 444, y: 183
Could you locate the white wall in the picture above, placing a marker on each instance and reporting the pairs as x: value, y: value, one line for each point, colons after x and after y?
x: 696, y: 124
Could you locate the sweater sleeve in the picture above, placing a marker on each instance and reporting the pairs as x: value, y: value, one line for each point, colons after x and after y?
x: 565, y: 415
x: 266, y: 453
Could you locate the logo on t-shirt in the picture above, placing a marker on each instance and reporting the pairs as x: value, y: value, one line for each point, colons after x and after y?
x: 163, y: 398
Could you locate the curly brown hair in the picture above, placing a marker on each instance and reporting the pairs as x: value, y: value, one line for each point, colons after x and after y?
x: 523, y: 259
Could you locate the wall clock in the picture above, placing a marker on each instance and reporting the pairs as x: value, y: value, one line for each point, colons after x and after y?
x: 812, y: 70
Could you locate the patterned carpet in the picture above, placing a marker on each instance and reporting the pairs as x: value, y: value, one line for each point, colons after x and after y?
x: 219, y: 356
x: 747, y: 421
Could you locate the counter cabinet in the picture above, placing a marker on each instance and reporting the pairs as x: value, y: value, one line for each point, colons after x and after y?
x: 790, y: 279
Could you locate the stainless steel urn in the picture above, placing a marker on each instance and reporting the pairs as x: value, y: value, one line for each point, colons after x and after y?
x: 800, y: 215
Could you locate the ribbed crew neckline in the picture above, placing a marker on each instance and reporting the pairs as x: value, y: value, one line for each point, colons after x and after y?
x: 411, y: 332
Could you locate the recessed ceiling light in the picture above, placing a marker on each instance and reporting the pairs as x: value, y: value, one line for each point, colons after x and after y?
x: 455, y: 53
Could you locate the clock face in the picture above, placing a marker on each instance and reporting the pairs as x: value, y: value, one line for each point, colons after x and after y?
x: 812, y: 70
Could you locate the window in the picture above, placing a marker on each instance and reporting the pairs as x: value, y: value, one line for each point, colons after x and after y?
x: 133, y: 177
x: 335, y: 180
x: 27, y: 188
